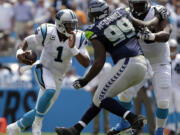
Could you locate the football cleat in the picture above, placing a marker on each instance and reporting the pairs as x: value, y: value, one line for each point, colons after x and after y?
x: 123, y: 125
x: 67, y: 131
x: 13, y: 129
x: 138, y: 124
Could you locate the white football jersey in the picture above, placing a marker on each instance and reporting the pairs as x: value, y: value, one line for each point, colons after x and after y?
x: 155, y: 52
x: 56, y: 55
x: 176, y: 72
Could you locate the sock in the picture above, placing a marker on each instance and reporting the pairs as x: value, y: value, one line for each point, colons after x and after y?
x: 87, y: 117
x: 26, y: 120
x: 161, y: 117
x: 44, y: 102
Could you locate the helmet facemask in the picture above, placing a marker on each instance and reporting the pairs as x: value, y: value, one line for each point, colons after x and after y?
x: 65, y: 25
x: 96, y: 16
x: 139, y: 7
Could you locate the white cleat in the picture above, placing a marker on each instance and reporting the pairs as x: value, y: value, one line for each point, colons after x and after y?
x: 36, y: 126
x: 13, y: 129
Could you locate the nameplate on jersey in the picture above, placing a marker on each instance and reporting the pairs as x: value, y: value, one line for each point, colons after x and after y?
x: 52, y: 37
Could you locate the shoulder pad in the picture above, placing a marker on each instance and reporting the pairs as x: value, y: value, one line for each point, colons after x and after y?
x: 163, y: 12
x: 42, y: 30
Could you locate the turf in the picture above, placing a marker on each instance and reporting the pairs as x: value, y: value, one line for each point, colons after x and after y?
x: 50, y: 134
x: 56, y: 134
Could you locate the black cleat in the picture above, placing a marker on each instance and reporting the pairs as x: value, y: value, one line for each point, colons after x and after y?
x: 67, y: 131
x: 138, y: 124
x: 112, y: 132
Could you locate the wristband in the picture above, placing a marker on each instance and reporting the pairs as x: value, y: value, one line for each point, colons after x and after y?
x: 74, y: 51
x: 19, y: 52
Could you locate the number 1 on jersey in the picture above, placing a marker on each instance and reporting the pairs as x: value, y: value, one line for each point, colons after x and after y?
x: 59, y: 49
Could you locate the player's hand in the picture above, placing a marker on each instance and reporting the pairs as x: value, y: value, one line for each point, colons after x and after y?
x: 146, y: 35
x: 24, y: 59
x: 79, y: 83
x: 72, y: 40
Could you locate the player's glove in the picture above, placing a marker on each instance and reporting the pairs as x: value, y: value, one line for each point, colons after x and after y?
x: 146, y: 35
x: 79, y: 83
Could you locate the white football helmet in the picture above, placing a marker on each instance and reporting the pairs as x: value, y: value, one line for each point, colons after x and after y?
x: 173, y: 44
x: 66, y: 21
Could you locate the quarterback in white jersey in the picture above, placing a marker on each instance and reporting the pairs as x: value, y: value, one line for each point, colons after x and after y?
x: 174, y: 109
x: 60, y: 43
x: 156, y: 50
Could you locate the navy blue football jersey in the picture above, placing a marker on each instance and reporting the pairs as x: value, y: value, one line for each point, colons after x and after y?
x: 117, y: 34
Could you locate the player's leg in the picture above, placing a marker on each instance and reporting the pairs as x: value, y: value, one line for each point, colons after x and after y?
x: 20, y: 125
x: 46, y: 98
x: 127, y: 79
x: 125, y: 99
x: 121, y: 77
x: 162, y: 86
x: 171, y: 122
x: 26, y: 120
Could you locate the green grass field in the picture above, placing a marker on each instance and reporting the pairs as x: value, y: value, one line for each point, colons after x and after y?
x: 51, y: 134
x: 56, y: 134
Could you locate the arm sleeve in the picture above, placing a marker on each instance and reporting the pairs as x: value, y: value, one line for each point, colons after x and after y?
x: 32, y: 40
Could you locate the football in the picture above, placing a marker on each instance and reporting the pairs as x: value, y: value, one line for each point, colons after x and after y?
x: 31, y: 55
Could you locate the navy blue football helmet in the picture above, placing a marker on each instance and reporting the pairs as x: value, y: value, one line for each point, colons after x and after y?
x: 97, y: 10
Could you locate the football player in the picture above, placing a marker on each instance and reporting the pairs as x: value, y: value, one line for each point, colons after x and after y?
x: 157, y: 51
x: 60, y: 43
x: 174, y: 108
x: 116, y: 35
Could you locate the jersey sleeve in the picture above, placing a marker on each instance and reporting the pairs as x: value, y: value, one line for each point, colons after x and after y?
x: 39, y: 37
x: 90, y: 32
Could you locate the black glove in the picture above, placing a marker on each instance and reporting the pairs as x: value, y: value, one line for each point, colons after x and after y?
x: 80, y: 83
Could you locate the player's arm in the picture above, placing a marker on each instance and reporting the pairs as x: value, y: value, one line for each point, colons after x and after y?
x: 81, y: 54
x: 34, y: 39
x: 165, y: 31
x: 139, y: 24
x: 99, y: 60
x: 83, y: 59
